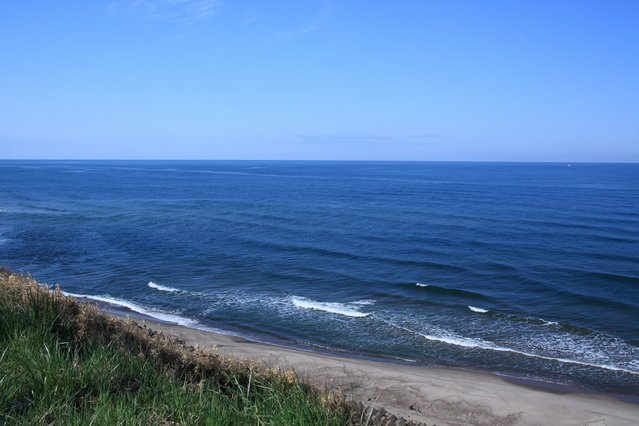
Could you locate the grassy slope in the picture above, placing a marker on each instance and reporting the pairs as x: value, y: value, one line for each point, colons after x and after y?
x: 64, y: 362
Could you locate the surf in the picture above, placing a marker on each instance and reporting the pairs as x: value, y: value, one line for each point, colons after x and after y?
x: 346, y: 309
x: 163, y: 288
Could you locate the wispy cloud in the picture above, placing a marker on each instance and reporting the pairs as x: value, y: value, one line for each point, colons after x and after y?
x: 185, y: 10
x: 251, y: 17
x: 320, y: 19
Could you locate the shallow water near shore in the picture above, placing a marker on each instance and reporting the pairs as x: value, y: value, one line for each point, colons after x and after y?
x: 529, y: 270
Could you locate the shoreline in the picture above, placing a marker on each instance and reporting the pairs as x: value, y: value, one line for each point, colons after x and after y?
x: 277, y: 341
x: 439, y: 395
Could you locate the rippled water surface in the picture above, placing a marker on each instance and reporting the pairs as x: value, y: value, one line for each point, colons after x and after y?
x: 526, y: 269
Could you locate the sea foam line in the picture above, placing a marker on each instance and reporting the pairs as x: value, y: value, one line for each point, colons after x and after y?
x: 335, y: 308
x: 154, y: 313
x: 162, y: 288
x: 478, y: 310
x: 365, y: 302
x: 474, y: 344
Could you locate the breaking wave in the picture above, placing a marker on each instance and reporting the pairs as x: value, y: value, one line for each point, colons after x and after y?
x: 153, y: 313
x: 162, y: 287
x: 347, y: 309
x: 449, y: 338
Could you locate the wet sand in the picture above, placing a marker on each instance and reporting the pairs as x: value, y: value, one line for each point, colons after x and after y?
x: 429, y: 395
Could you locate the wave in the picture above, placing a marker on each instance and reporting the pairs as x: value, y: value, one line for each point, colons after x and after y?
x: 154, y: 313
x: 162, y: 288
x: 538, y: 321
x: 616, y: 278
x: 524, y: 319
x: 474, y: 343
x: 346, y: 309
x: 451, y: 291
x: 365, y: 302
x: 41, y: 209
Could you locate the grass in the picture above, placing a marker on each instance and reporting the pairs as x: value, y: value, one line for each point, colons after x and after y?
x: 65, y: 362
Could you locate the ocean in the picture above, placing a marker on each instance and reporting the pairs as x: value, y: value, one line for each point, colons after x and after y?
x: 527, y: 270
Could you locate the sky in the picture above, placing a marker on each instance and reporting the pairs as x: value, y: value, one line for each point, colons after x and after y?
x: 429, y: 80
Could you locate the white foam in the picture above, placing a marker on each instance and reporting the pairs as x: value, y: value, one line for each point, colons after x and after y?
x: 334, y: 308
x: 478, y: 310
x: 365, y: 302
x: 421, y: 285
x: 475, y: 343
x: 162, y: 288
x: 154, y: 313
x: 472, y: 343
x: 460, y: 341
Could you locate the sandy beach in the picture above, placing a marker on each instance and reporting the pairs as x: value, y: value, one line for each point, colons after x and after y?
x: 429, y: 395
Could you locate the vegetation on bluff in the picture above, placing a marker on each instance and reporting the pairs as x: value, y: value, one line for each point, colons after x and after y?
x: 65, y: 362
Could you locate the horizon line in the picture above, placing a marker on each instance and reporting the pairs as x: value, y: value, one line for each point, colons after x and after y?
x: 318, y: 160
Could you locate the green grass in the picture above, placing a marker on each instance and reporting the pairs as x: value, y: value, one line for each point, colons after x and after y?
x: 65, y: 362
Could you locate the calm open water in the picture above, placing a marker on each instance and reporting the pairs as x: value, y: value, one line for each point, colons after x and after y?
x: 529, y: 270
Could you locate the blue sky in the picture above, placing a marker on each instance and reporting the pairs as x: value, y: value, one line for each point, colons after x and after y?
x: 328, y: 80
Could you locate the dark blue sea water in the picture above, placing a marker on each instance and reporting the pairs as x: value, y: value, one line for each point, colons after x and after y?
x: 528, y: 270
